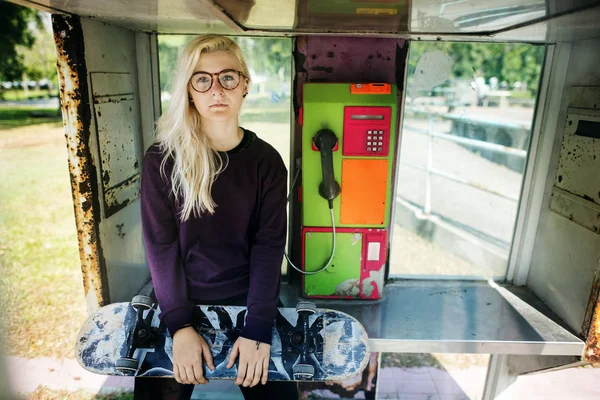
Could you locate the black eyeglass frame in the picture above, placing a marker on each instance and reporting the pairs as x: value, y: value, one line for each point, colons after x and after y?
x: 217, y: 74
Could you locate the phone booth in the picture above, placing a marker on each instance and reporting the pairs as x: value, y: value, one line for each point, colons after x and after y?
x: 367, y: 215
x: 361, y: 158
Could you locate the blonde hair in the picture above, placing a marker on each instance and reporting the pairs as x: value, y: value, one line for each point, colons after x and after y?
x: 196, y: 165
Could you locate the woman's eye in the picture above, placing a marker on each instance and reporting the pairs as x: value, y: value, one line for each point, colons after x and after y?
x: 228, y: 77
x: 202, y: 79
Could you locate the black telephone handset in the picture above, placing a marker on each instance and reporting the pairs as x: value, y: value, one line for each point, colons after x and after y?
x: 325, y: 141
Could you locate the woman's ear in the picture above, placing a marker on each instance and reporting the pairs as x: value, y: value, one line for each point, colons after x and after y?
x: 246, y: 87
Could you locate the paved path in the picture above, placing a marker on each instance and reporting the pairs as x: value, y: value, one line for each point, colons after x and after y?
x: 394, y: 383
x: 26, y: 375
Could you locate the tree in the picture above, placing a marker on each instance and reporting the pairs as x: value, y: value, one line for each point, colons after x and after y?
x: 510, y: 62
x: 14, y: 31
x: 39, y: 60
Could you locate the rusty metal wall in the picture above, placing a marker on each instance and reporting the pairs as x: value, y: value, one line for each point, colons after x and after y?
x: 117, y: 140
x: 566, y: 254
x: 98, y: 72
x: 75, y: 105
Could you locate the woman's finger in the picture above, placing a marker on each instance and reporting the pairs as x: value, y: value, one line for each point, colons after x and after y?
x: 183, y: 374
x: 207, y: 355
x: 258, y: 367
x: 176, y: 373
x: 199, y: 374
x: 249, y: 374
x: 242, y: 367
x: 233, y: 355
x: 265, y: 372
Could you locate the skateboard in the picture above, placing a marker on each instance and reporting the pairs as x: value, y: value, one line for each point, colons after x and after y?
x: 308, y: 343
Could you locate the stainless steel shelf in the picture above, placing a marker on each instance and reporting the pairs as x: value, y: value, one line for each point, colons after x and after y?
x: 453, y: 317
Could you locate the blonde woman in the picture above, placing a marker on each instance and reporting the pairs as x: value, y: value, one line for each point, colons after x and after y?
x: 213, y: 202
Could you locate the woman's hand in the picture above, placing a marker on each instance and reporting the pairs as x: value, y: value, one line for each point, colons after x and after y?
x: 189, y: 348
x: 254, y: 361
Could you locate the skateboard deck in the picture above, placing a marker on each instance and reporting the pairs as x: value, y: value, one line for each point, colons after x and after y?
x: 308, y: 344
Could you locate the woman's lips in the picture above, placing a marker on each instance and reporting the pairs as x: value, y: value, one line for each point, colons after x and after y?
x: 219, y: 105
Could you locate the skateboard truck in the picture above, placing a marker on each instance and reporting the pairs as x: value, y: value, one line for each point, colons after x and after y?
x: 141, y: 336
x: 303, y: 370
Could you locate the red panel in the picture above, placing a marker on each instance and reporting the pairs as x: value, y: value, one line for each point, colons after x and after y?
x: 367, y: 131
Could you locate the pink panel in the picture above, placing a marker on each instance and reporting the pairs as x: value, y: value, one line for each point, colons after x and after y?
x: 367, y: 131
x: 372, y: 274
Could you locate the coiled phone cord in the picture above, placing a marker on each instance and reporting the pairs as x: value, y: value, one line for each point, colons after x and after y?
x: 333, y: 232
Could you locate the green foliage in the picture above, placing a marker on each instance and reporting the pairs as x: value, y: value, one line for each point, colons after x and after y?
x: 40, y: 59
x: 167, y: 62
x: 14, y: 24
x: 267, y: 56
x: 270, y: 57
x: 510, y: 62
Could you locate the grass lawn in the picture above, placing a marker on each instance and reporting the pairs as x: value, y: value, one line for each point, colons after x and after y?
x: 41, y: 287
x: 18, y: 116
x: 44, y: 393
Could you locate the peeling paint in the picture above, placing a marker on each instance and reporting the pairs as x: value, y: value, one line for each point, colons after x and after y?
x: 373, y: 283
x: 592, y: 331
x: 349, y: 287
x: 72, y: 75
x: 592, y: 347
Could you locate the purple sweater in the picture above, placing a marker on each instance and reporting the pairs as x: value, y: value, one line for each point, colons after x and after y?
x: 237, y: 250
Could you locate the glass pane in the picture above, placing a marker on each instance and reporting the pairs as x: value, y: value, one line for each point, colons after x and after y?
x: 465, y: 138
x: 267, y: 107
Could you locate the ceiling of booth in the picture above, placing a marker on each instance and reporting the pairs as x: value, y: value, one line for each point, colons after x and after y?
x: 499, y: 20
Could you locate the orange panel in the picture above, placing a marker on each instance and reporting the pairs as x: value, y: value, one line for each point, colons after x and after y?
x: 370, y: 88
x: 364, y: 185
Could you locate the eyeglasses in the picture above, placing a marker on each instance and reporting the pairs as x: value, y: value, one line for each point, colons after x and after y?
x: 202, y: 81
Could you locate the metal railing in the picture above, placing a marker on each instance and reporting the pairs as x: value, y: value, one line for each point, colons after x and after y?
x: 430, y: 170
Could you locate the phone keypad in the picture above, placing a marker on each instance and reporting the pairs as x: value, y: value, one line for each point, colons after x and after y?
x: 374, y: 141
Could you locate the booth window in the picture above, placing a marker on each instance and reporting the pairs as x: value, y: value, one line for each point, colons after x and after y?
x: 267, y: 107
x: 467, y: 123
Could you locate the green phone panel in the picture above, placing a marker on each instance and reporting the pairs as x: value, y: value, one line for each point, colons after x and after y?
x: 342, y: 277
x: 324, y: 108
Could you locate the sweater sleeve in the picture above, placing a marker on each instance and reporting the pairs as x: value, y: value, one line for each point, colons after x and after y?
x: 161, y: 240
x: 266, y: 253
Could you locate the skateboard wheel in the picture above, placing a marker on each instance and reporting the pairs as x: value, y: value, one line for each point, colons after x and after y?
x: 141, y: 302
x: 127, y: 366
x: 307, y: 306
x: 303, y: 372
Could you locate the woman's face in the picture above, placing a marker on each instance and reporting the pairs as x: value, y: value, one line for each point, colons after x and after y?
x: 218, y: 103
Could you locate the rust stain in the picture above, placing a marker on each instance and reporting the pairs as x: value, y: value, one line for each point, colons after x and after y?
x: 593, y: 299
x: 591, y: 328
x: 592, y: 346
x: 76, y: 113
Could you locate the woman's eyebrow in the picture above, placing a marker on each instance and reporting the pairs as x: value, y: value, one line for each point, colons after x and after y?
x: 206, y: 72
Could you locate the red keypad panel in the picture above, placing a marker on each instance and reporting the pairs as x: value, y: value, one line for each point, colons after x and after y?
x: 367, y: 131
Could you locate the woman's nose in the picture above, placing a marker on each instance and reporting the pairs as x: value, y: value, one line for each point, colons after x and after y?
x: 216, y: 88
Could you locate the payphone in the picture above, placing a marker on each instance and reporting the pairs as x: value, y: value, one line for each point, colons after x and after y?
x: 348, y: 142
